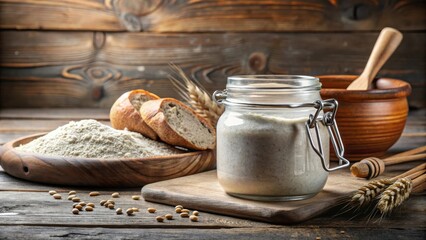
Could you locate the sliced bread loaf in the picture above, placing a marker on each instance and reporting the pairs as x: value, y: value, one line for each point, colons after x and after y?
x: 177, y: 124
x: 125, y: 112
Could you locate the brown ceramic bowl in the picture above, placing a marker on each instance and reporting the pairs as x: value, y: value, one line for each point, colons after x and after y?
x: 370, y: 121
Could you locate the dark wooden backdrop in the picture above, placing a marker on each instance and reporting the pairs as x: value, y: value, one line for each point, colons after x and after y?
x: 85, y: 53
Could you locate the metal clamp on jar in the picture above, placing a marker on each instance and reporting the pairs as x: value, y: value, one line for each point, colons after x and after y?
x: 265, y: 148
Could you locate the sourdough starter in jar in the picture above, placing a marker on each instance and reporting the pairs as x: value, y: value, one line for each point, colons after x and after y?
x: 264, y: 153
x: 268, y: 156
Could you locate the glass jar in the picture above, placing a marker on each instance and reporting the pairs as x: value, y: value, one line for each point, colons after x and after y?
x: 273, y: 138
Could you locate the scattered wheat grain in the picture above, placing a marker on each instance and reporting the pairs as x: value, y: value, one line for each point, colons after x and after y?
x: 119, y: 211
x: 135, y: 197
x: 57, y: 196
x: 75, y: 211
x: 193, y: 218
x: 94, y: 194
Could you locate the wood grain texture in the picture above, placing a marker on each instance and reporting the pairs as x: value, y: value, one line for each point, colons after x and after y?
x: 45, y: 233
x: 209, y: 16
x: 29, y: 204
x: 13, y: 184
x: 202, y: 191
x: 17, y: 123
x: 40, y: 125
x: 54, y: 114
x: 65, y: 15
x: 39, y: 208
x: 36, y: 49
x: 92, y: 70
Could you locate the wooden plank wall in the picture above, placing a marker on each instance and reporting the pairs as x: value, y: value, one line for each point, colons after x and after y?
x: 85, y: 53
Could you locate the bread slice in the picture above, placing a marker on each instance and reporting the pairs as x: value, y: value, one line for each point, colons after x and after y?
x: 125, y: 112
x: 177, y: 124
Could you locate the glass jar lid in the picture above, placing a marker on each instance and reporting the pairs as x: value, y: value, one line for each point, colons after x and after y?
x: 271, y: 89
x: 282, y: 82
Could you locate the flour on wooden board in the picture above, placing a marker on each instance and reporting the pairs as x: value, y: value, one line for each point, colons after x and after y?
x: 92, y: 139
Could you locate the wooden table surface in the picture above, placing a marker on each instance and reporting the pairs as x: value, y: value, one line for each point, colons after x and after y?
x: 27, y: 211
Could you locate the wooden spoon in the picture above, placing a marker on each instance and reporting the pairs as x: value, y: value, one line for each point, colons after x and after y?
x: 386, y: 44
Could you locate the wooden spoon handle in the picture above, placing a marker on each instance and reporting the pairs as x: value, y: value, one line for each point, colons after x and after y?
x: 388, y: 41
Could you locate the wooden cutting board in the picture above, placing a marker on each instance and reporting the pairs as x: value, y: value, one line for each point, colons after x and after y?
x: 203, y: 192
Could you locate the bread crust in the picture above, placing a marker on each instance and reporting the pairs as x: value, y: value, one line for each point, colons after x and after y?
x: 153, y: 114
x: 124, y: 115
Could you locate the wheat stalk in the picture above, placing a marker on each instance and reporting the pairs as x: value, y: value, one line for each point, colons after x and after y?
x: 384, y: 195
x: 195, y: 94
x: 389, y: 191
x: 412, y: 173
x: 394, y: 195
x: 419, y: 184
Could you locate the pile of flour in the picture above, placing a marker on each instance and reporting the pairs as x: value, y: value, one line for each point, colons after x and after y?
x: 92, y: 139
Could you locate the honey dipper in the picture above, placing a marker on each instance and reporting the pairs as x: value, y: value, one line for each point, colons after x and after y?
x: 372, y: 167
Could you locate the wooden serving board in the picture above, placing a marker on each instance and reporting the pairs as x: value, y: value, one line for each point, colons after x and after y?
x: 70, y: 171
x: 203, y: 192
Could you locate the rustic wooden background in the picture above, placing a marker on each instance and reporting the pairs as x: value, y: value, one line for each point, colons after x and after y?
x: 85, y: 53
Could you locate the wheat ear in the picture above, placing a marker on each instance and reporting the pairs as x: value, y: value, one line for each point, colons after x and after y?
x: 394, y: 195
x: 373, y: 189
x: 399, y: 191
x: 369, y: 192
x: 196, y: 96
